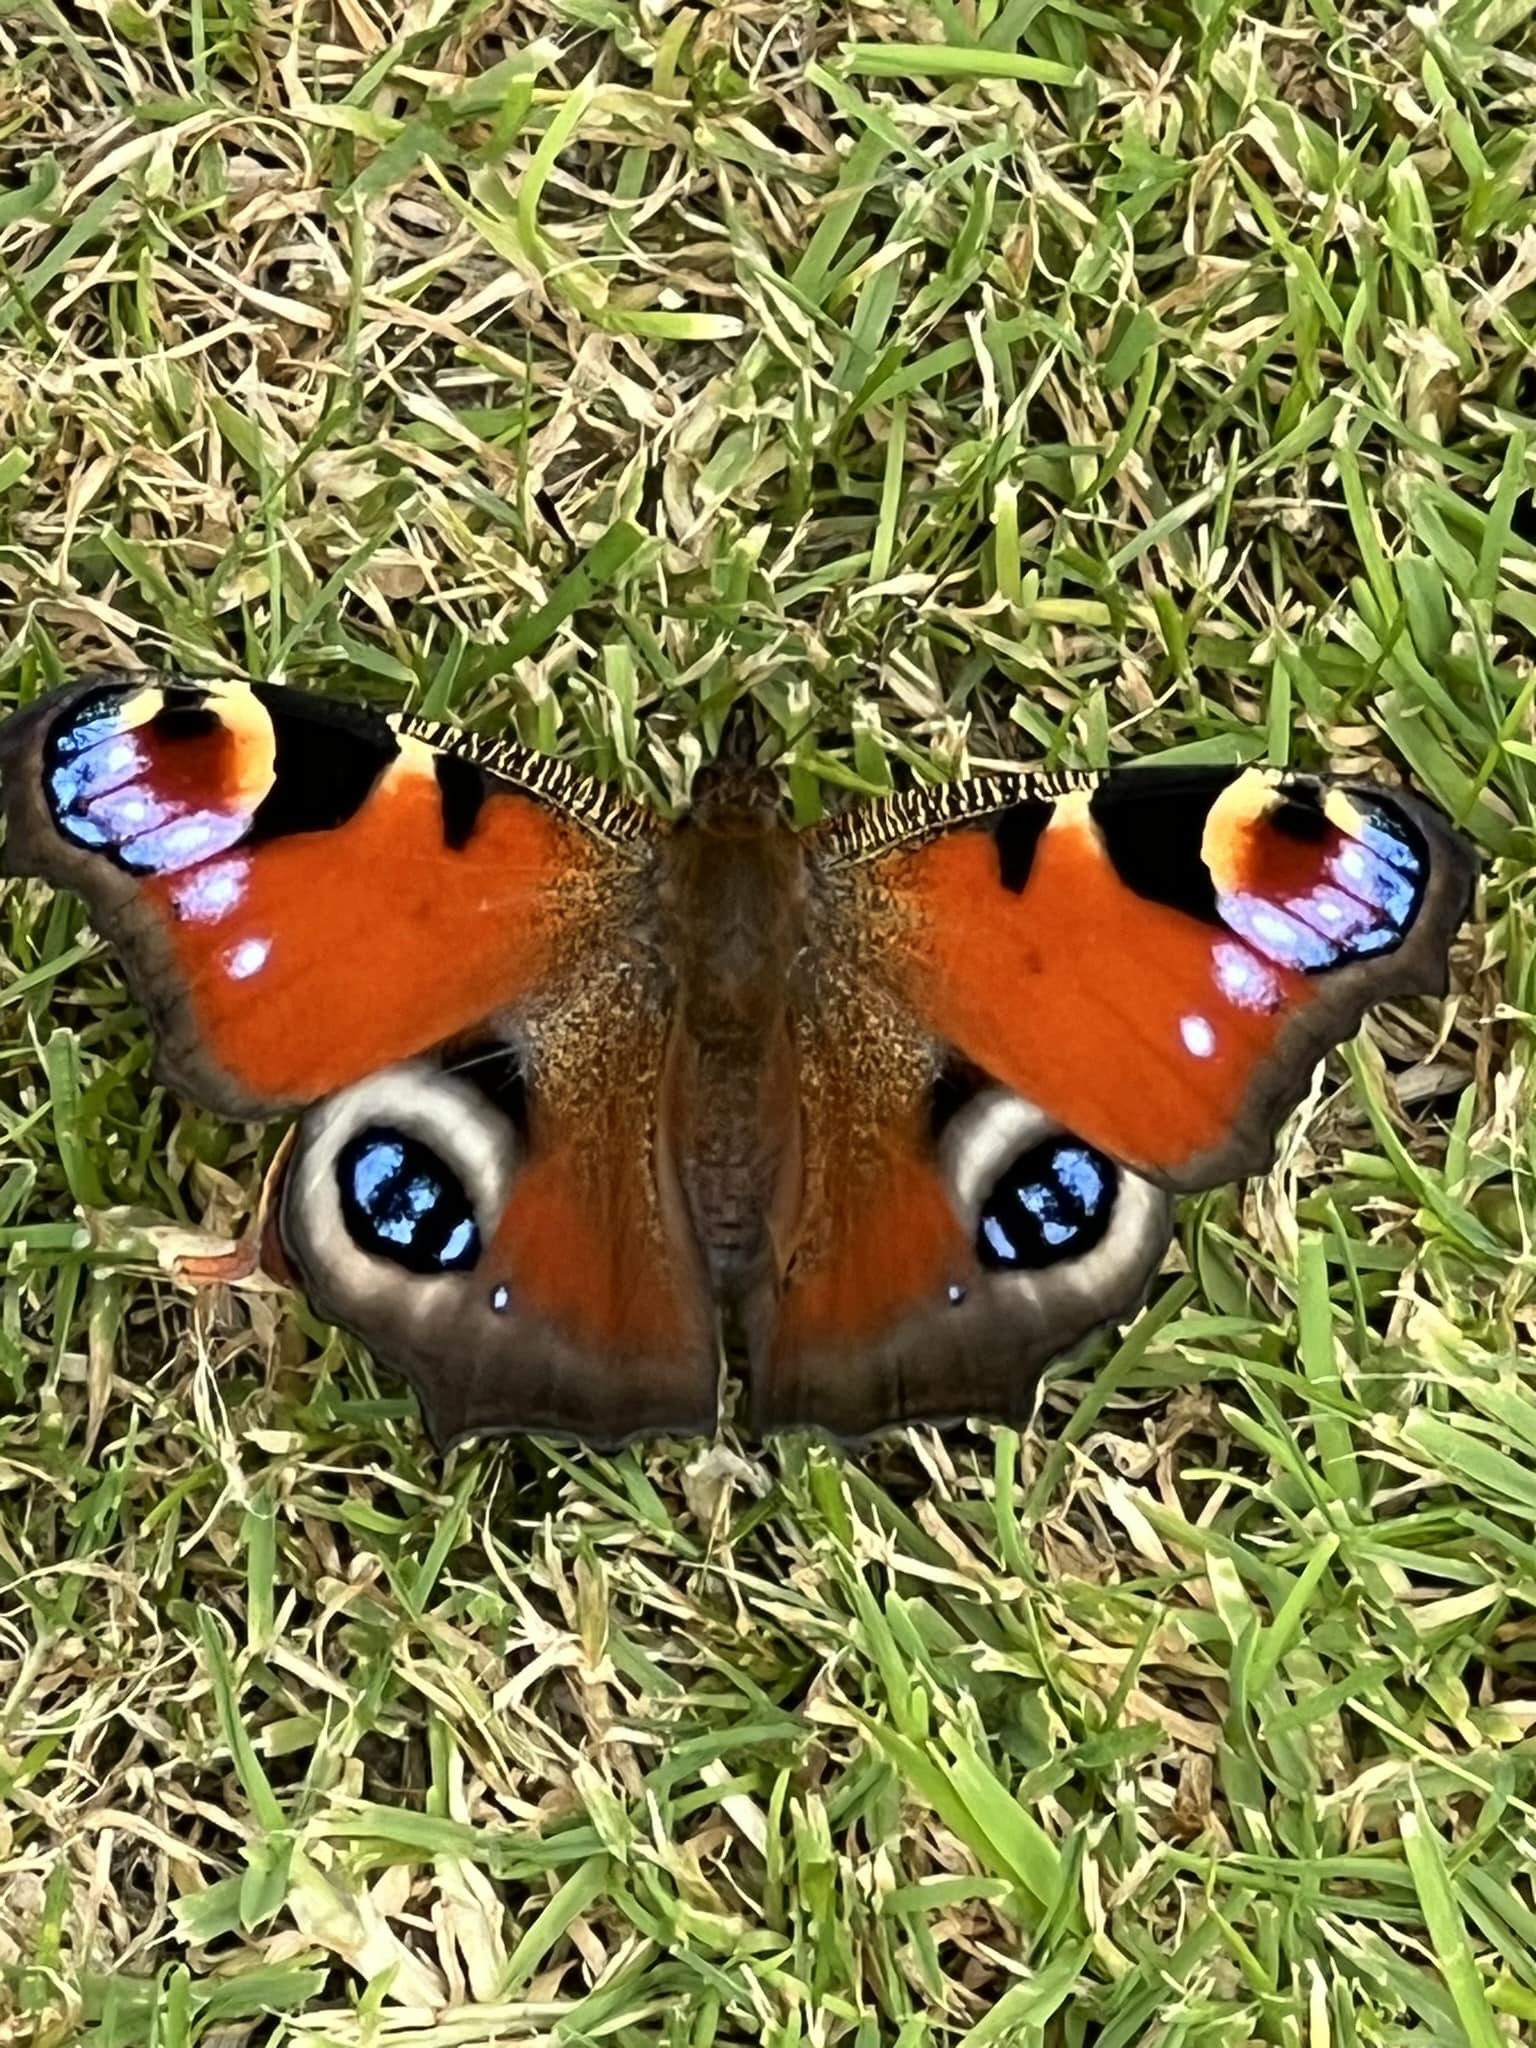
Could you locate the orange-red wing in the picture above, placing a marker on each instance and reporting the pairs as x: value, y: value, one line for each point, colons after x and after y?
x: 1160, y: 960
x: 302, y: 893
x: 950, y: 1239
x: 858, y: 1285
x: 319, y: 906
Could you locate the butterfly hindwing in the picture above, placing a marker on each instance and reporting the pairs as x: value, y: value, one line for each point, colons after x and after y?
x: 952, y: 1240
x: 511, y: 1244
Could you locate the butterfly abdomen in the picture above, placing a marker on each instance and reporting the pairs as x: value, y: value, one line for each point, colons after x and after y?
x: 732, y: 899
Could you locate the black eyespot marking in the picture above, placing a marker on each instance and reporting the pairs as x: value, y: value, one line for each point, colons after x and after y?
x: 1054, y: 1203
x: 187, y: 716
x: 80, y: 761
x: 112, y: 787
x: 329, y: 756
x: 401, y: 1202
x: 119, y: 790
x: 1300, y: 815
x: 85, y: 724
x: 1379, y: 880
x: 495, y: 1068
x: 461, y: 788
x: 1394, y: 837
x: 1017, y: 832
x: 1152, y: 822
x: 1371, y: 871
x: 74, y: 764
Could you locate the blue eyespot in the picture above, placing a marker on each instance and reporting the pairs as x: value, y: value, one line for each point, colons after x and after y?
x: 1391, y: 838
x: 1054, y: 1202
x: 1368, y: 894
x: 401, y: 1202
x: 112, y: 789
x: 87, y: 758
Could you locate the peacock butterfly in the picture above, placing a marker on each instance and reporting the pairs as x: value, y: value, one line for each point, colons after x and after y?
x: 899, y: 1104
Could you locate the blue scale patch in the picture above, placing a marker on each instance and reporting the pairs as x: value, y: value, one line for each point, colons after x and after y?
x: 1053, y: 1203
x: 99, y: 783
x: 1366, y: 903
x: 87, y: 758
x: 400, y: 1201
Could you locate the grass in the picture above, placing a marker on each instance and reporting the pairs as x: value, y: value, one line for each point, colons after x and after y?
x: 973, y: 377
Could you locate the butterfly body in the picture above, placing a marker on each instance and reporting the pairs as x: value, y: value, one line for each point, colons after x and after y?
x: 896, y: 1108
x: 732, y: 890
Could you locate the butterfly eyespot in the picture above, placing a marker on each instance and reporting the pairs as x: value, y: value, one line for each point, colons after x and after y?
x: 1054, y: 1202
x: 401, y: 1201
x: 157, y: 779
x: 501, y: 1298
x: 1362, y: 901
x: 956, y: 1296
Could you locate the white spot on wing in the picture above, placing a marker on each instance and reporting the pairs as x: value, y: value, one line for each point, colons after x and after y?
x: 1198, y: 1036
x: 246, y: 959
x: 211, y: 892
x: 1244, y: 979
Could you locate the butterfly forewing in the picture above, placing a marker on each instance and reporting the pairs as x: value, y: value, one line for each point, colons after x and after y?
x: 1160, y: 959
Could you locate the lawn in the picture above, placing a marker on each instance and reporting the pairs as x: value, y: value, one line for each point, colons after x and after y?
x: 968, y: 379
